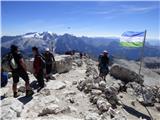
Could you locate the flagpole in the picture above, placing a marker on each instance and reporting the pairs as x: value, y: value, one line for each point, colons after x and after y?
x: 142, y: 52
x: 142, y: 55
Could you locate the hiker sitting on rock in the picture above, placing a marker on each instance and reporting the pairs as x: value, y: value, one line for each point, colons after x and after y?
x: 38, y: 66
x: 49, y: 59
x: 18, y: 69
x: 103, y: 64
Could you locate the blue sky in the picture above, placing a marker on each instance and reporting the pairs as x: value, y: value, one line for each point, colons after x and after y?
x: 106, y: 19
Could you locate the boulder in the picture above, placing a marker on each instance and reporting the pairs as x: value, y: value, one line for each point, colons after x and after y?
x: 45, y: 92
x: 157, y: 106
x: 63, y: 64
x: 81, y: 85
x: 94, y: 99
x: 96, y: 92
x: 97, y: 79
x: 50, y: 109
x: 111, y: 95
x: 110, y: 91
x: 11, y: 108
x: 91, y: 116
x: 103, y: 105
x: 125, y: 74
x: 102, y: 85
x: 78, y: 62
x: 8, y: 114
x: 91, y: 71
x: 56, y: 85
x: 158, y: 95
x: 147, y: 97
x: 134, y: 88
x: 74, y: 83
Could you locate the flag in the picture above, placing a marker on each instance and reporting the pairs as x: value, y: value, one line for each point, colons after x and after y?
x: 132, y: 39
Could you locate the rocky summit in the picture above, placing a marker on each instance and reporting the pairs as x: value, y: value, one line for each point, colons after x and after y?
x: 76, y: 92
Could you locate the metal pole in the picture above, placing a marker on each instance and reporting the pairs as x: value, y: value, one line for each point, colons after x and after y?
x: 142, y: 53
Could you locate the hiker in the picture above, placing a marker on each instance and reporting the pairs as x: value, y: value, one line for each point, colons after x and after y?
x: 99, y: 61
x: 103, y: 64
x: 18, y: 69
x: 38, y: 66
x: 81, y: 55
x: 49, y: 59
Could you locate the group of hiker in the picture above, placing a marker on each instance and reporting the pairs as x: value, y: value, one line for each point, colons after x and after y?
x: 42, y: 62
x: 18, y: 68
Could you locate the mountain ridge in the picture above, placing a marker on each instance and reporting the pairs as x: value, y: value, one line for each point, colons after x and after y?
x: 66, y: 42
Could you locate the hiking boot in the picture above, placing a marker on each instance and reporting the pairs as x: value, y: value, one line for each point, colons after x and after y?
x: 16, y: 94
x: 29, y: 92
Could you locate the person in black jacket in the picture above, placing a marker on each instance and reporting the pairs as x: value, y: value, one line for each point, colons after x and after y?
x: 49, y: 59
x: 38, y: 66
x: 19, y: 71
x: 103, y: 64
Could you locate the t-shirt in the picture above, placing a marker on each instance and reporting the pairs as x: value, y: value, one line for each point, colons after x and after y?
x: 17, y: 57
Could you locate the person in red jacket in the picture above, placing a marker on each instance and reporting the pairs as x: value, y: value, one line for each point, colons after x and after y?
x: 38, y: 67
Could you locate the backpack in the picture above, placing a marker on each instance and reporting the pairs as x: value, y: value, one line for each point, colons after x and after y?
x: 8, y: 62
x: 13, y: 63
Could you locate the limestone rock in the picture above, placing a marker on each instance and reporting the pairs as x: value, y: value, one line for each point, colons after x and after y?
x: 97, y: 79
x: 102, y: 85
x: 8, y: 114
x: 50, y: 109
x: 81, y: 85
x: 125, y: 74
x: 92, y: 116
x: 103, y: 105
x: 74, y: 83
x: 56, y: 85
x: 45, y: 92
x: 147, y: 97
x: 78, y: 62
x: 63, y: 64
x: 11, y: 108
x: 96, y: 92
x: 157, y: 106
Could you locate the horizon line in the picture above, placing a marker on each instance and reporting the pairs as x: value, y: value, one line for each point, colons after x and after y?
x: 96, y: 36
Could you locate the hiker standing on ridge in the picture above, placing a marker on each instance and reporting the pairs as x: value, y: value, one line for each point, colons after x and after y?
x: 49, y: 59
x: 38, y: 66
x: 103, y: 64
x: 18, y: 69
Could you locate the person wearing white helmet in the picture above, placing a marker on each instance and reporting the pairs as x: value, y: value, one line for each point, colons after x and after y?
x: 49, y: 58
x: 103, y: 64
x: 47, y: 49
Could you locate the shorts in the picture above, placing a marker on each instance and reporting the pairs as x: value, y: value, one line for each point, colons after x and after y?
x: 17, y: 74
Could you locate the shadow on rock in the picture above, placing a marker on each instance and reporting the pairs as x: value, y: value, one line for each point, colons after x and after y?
x: 25, y: 99
x: 2, y: 97
x: 135, y: 112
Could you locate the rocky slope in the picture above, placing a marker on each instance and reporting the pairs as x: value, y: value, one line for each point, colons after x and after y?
x: 79, y: 94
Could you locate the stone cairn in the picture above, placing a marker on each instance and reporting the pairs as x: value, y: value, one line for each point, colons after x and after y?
x: 105, y: 96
